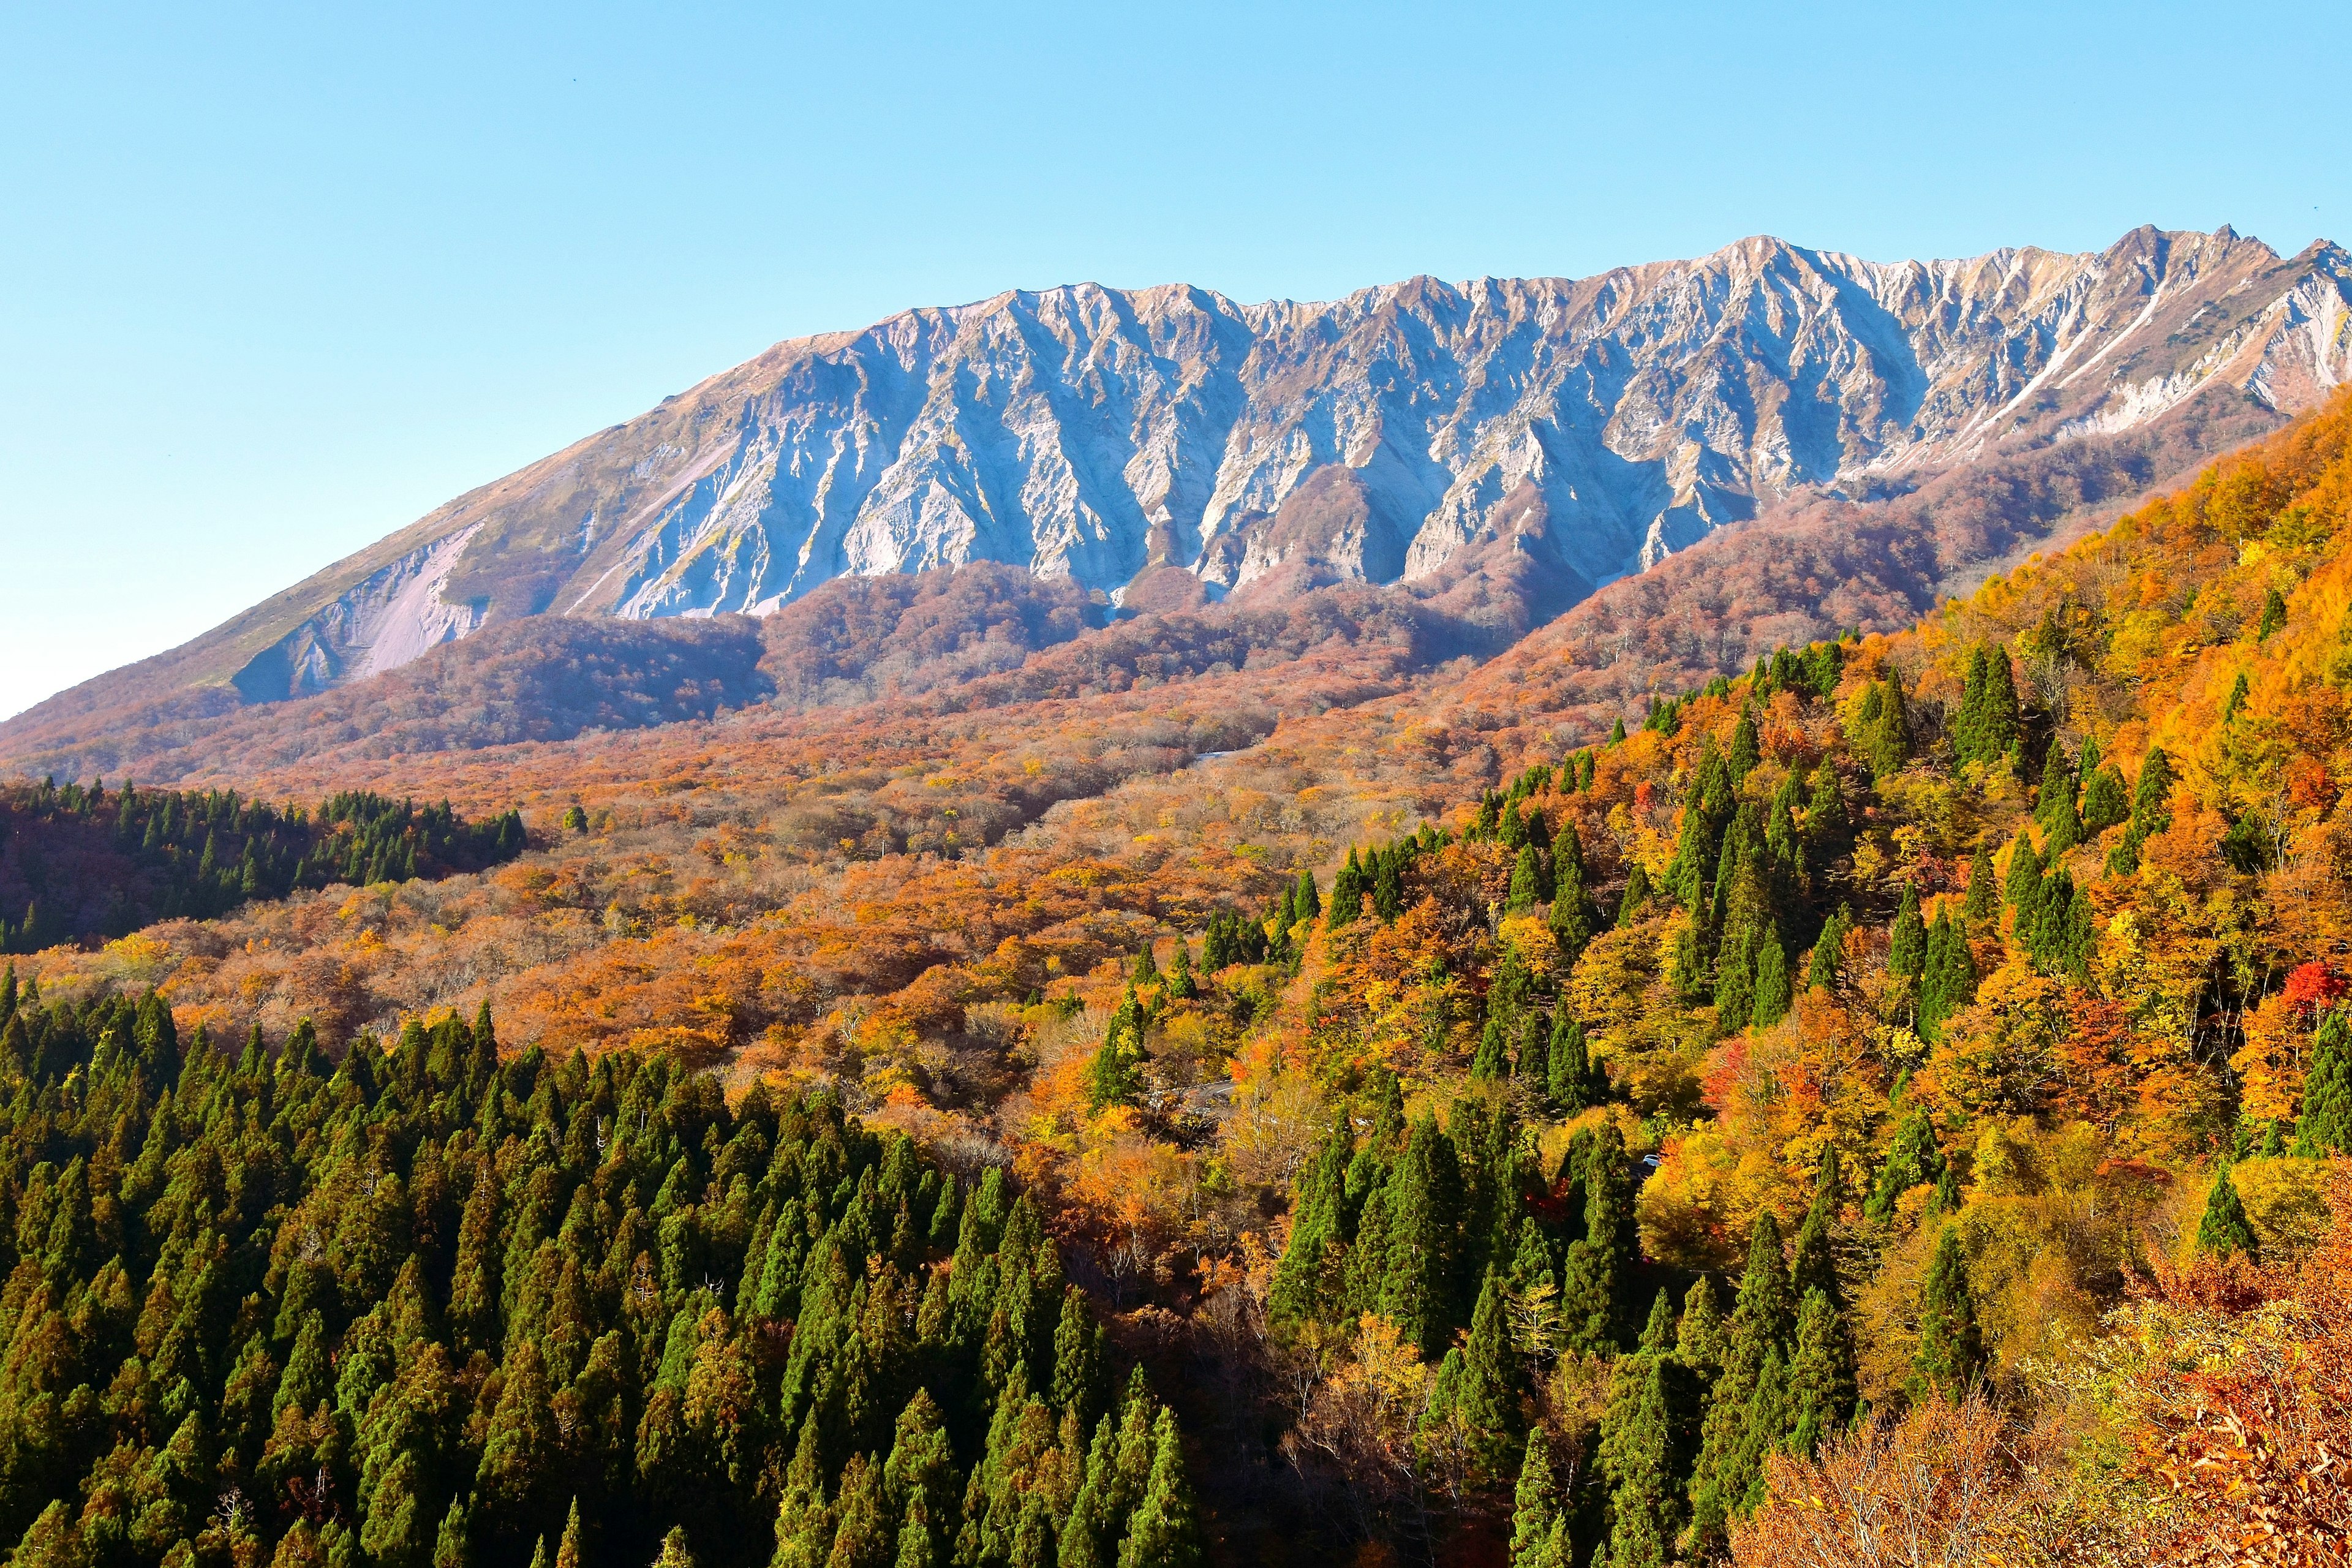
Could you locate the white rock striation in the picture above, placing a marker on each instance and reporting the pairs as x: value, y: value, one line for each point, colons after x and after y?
x: 1094, y: 433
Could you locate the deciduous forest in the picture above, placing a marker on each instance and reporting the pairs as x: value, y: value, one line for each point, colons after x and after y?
x: 1309, y: 1097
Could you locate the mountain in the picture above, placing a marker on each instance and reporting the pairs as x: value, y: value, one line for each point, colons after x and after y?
x: 1165, y: 447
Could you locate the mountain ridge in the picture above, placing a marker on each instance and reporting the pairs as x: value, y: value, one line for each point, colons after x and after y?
x: 1414, y: 433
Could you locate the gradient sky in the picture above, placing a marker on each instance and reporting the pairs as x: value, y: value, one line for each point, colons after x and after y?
x: 277, y: 282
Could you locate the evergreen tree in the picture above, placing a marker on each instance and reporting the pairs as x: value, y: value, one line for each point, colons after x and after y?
x: 1348, y: 891
x: 2106, y: 802
x: 1949, y: 981
x: 1886, y: 734
x: 2325, y: 1125
x: 1595, y: 1275
x: 1951, y: 1354
x: 1983, y: 901
x: 1633, y: 907
x: 1772, y: 997
x: 1822, y: 1375
x: 1829, y: 953
x: 1162, y: 1532
x: 1760, y: 1330
x: 1906, y: 953
x: 1487, y: 1398
x: 1642, y: 1430
x: 1387, y: 887
x: 1987, y: 727
x: 1746, y: 749
x: 1914, y: 1159
x: 2225, y: 1228
x: 2273, y: 615
x: 1318, y: 1230
x: 1574, y: 1080
x: 1182, y: 986
x: 1535, y: 1504
x: 1417, y: 1277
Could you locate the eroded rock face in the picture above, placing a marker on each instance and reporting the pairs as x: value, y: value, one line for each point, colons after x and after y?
x: 379, y: 623
x: 1583, y: 428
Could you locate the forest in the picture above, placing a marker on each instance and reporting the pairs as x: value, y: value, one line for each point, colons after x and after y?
x: 1887, y: 1088
x: 81, y: 861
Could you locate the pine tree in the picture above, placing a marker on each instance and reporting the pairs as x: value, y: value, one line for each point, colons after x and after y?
x: 1746, y: 749
x: 1700, y: 1338
x: 1303, y: 1275
x: 1829, y: 953
x: 2324, y: 1127
x: 1535, y: 1505
x: 2106, y: 802
x: 1772, y: 997
x: 1812, y: 1263
x: 1760, y: 1330
x: 674, y: 1552
x: 1987, y: 727
x: 1822, y: 1375
x: 1487, y: 1398
x: 1949, y: 979
x: 1906, y: 953
x: 2055, y: 805
x: 567, y: 1553
x: 1642, y: 1434
x: 1983, y: 901
x: 1182, y: 986
x: 1951, y: 1353
x: 1387, y: 887
x: 1595, y: 1275
x: 1491, y: 1062
x: 1634, y: 908
x: 2273, y: 615
x: 1574, y: 1080
x: 2225, y: 1228
x: 1914, y: 1159
x: 451, y: 1547
x: 1162, y: 1532
x: 1348, y: 889
x: 1417, y: 1275
x: 1305, y: 903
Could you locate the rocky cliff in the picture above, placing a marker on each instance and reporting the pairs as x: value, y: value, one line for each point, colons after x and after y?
x: 1582, y: 429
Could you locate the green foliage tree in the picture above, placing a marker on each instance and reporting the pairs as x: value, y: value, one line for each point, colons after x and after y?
x: 1951, y: 1354
x: 2325, y: 1125
x: 2224, y: 1229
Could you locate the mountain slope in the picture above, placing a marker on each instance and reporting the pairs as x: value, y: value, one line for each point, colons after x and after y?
x: 1570, y: 432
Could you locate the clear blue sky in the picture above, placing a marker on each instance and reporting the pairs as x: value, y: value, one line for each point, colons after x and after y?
x: 276, y: 281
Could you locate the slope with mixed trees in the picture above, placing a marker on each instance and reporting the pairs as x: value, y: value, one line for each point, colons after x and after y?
x: 1507, y: 1133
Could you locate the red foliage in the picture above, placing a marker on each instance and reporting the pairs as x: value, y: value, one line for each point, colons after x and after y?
x: 2313, y: 986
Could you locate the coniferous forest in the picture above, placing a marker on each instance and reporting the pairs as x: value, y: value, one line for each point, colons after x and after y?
x: 77, y: 861
x: 1891, y: 1087
x: 435, y: 1305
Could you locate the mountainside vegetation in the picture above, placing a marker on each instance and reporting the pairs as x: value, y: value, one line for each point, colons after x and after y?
x: 84, y: 862
x: 425, y: 1305
x: 1901, y: 1083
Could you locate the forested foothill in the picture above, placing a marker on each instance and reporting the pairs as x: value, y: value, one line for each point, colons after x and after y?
x: 1884, y: 1088
x: 79, y: 862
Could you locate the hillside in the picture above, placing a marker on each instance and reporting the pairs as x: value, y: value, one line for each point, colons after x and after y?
x: 1511, y: 444
x: 1495, y: 1133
